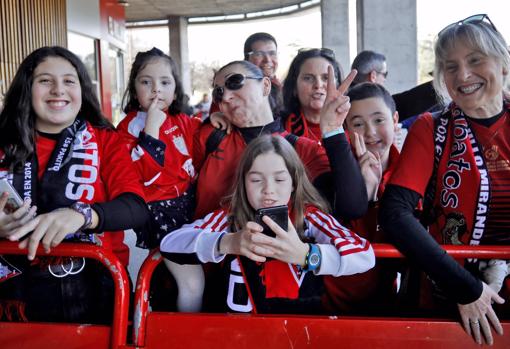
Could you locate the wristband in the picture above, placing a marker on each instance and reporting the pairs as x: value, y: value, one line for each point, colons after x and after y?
x: 86, y: 211
x: 338, y: 131
x: 313, y: 258
x: 219, y: 241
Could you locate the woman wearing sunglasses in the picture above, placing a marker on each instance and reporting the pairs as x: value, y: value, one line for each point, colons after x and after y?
x: 242, y: 93
x: 304, y: 91
x: 462, y: 177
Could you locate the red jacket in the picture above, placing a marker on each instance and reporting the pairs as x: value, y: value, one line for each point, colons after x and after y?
x: 218, y: 169
x: 117, y: 175
x: 166, y: 165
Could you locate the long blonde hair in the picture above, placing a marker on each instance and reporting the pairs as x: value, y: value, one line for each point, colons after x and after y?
x: 303, y: 194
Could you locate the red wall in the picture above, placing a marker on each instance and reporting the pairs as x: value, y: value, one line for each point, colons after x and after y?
x: 113, y: 24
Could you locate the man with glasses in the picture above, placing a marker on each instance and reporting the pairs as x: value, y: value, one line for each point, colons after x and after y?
x: 371, y: 67
x: 261, y: 49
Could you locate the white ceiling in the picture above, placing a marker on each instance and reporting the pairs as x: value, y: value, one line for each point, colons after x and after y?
x: 142, y: 10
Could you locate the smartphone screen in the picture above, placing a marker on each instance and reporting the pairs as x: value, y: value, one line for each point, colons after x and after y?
x: 14, y: 201
x: 279, y: 214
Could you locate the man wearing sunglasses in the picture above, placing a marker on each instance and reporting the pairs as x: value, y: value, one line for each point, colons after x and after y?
x: 242, y: 93
x: 371, y: 67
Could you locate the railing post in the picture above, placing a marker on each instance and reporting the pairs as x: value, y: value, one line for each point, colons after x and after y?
x: 119, y: 325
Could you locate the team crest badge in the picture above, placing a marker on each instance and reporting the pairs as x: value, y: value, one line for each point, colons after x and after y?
x: 495, y: 160
x: 188, y: 167
x: 454, y: 228
x: 180, y: 145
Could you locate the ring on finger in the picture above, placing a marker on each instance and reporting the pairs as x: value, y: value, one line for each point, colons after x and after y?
x: 474, y: 322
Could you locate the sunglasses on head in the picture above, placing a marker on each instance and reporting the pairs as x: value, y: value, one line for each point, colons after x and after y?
x: 326, y: 52
x: 233, y: 83
x: 475, y: 19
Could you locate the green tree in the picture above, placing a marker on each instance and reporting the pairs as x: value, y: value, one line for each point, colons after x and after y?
x: 425, y: 59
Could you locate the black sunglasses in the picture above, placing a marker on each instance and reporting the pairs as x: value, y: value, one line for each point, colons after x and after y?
x: 475, y: 19
x: 233, y: 83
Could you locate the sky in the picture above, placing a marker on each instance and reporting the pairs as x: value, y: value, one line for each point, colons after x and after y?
x: 431, y: 21
x: 290, y: 32
x: 304, y: 30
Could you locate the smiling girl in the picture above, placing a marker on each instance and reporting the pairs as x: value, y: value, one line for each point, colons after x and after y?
x: 62, y: 156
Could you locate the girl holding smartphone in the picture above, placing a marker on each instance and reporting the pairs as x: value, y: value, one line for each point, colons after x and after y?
x: 265, y: 274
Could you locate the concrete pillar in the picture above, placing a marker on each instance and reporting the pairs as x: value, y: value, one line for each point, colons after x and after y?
x: 336, y: 26
x: 178, y: 30
x: 389, y: 27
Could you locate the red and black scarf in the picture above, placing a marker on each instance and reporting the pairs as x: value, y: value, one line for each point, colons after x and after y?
x: 71, y: 174
x: 462, y: 184
x: 298, y: 125
x: 275, y: 284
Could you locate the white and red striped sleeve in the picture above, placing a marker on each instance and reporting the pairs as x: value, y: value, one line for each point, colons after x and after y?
x: 195, y: 243
x: 343, y: 251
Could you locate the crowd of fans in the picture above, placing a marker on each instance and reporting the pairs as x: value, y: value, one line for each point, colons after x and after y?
x: 268, y: 200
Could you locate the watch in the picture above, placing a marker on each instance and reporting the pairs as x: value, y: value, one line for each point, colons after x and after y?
x: 313, y: 258
x: 86, y: 211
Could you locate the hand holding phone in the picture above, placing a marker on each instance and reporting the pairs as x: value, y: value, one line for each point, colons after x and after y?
x: 14, y: 200
x: 279, y: 214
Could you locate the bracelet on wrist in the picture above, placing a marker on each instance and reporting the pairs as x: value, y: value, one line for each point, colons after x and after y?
x: 86, y: 211
x: 219, y: 241
x: 333, y: 133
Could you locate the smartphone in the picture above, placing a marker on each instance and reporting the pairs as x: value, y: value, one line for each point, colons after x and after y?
x: 14, y: 201
x: 279, y: 214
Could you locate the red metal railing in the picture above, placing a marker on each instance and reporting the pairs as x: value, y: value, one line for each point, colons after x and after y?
x: 118, y: 332
x: 141, y: 300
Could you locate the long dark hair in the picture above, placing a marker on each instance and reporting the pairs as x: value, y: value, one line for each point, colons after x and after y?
x: 290, y: 98
x: 129, y: 100
x: 17, y: 119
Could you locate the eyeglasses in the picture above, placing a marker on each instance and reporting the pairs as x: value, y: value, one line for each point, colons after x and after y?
x: 475, y: 19
x: 261, y: 54
x: 233, y: 83
x: 385, y: 74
